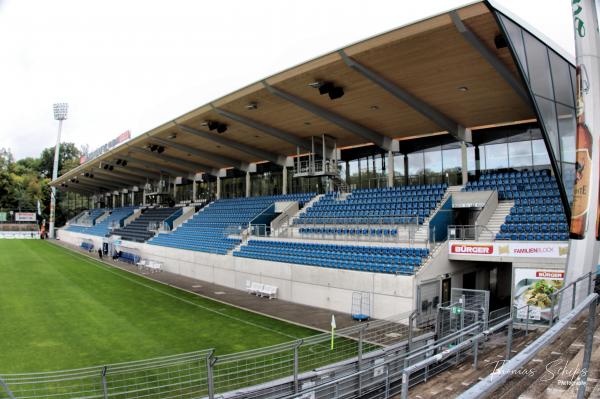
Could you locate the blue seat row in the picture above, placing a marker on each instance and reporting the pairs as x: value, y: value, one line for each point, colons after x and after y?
x: 535, y: 209
x: 515, y: 174
x: 537, y: 218
x: 538, y: 213
x: 535, y: 228
x: 88, y: 246
x: 349, y: 231
x: 407, y: 204
x: 533, y: 236
x: 209, y: 229
x: 361, y: 258
x: 102, y: 229
x: 355, y: 249
x: 128, y: 257
x: 416, y: 217
x: 538, y: 201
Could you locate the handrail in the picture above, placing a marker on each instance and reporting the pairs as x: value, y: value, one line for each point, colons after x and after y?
x: 554, y: 295
x: 493, y: 194
x: 476, y: 227
x: 487, y: 386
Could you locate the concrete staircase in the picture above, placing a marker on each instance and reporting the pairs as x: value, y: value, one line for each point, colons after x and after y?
x: 497, y: 219
x: 422, y: 232
x: 305, y: 208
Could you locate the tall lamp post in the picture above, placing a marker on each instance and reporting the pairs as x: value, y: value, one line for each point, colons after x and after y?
x: 60, y: 114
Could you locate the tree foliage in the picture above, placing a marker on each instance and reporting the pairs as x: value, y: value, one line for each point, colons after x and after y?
x: 25, y: 182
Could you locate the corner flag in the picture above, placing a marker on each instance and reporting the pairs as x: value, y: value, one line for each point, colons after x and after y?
x: 333, y: 327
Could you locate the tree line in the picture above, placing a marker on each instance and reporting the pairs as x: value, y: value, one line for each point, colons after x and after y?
x: 25, y: 182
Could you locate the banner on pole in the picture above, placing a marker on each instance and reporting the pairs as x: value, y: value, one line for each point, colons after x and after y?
x: 25, y: 217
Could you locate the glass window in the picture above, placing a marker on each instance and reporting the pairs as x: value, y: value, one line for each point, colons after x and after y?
x: 399, y: 165
x: 415, y: 164
x: 496, y: 156
x: 452, y: 165
x: 567, y: 125
x: 353, y: 174
x: 548, y: 114
x: 471, y: 165
x: 516, y: 38
x: 519, y: 154
x: 540, y: 154
x: 433, y: 165
x: 342, y: 170
x: 561, y: 78
x: 452, y: 160
x: 539, y: 71
x: 433, y: 160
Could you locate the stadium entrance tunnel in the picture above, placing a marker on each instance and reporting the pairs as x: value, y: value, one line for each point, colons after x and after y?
x: 493, y: 277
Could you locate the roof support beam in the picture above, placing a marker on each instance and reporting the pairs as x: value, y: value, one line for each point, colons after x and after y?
x: 347, y: 124
x: 99, y: 176
x: 130, y: 171
x: 255, y: 152
x: 91, y: 186
x: 270, y: 130
x: 417, y: 104
x: 136, y: 181
x: 163, y: 169
x: 189, y: 166
x: 76, y: 189
x: 204, y: 154
x: 490, y: 57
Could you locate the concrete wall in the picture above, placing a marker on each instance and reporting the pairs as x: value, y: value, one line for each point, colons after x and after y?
x: 488, y: 210
x: 308, y: 285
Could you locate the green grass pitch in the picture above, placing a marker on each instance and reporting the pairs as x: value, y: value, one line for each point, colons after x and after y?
x: 62, y: 310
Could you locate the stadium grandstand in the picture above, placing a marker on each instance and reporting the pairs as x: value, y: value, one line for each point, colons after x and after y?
x: 431, y: 157
x: 426, y: 172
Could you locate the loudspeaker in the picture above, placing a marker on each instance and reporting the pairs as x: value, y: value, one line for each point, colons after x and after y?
x: 336, y: 92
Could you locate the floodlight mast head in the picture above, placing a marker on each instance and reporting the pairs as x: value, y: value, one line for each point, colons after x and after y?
x: 60, y: 111
x: 60, y: 114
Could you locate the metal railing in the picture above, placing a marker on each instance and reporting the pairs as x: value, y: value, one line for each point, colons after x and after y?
x: 204, y: 373
x: 562, y: 295
x: 487, y: 386
x: 382, y: 374
x: 375, y: 359
x: 182, y: 376
x: 374, y: 226
x: 312, y: 167
x: 470, y: 232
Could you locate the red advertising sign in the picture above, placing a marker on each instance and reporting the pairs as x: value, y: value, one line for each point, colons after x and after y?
x: 550, y: 275
x: 472, y: 249
x: 106, y: 147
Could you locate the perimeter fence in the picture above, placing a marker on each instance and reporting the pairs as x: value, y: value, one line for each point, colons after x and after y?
x: 207, y: 374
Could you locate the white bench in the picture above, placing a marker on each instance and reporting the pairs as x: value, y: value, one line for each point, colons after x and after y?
x: 262, y: 290
x: 269, y: 291
x: 254, y: 288
x: 149, y: 265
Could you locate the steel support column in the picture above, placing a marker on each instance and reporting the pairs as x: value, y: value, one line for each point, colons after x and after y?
x: 284, y: 186
x: 390, y: 169
x: 248, y: 184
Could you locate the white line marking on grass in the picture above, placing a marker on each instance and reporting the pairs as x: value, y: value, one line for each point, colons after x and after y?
x: 106, y: 268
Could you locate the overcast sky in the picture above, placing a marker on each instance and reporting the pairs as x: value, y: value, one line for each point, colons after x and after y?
x: 132, y: 65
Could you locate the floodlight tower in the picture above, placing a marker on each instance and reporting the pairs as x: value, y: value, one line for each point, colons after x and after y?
x: 60, y: 114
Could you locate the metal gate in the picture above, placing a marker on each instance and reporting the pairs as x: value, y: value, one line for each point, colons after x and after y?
x: 428, y: 300
x: 466, y: 308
